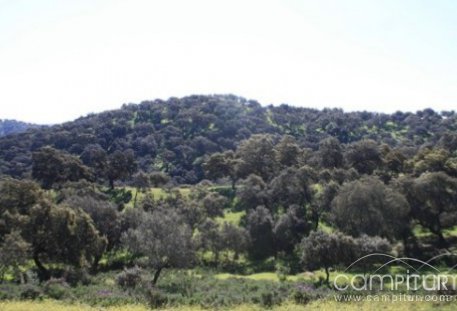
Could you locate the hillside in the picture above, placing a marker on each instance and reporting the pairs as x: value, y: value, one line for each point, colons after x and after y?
x: 176, y: 135
x: 12, y: 126
x: 219, y: 202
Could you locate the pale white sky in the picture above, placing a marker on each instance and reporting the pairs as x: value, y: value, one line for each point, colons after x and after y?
x: 60, y: 59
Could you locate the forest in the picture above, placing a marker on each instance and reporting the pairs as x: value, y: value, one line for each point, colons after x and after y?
x: 218, y: 202
x: 13, y: 126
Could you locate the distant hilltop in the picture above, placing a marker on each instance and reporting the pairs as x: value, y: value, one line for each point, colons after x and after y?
x: 13, y: 126
x: 176, y: 136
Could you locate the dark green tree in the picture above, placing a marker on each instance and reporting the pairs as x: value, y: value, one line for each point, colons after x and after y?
x: 163, y: 239
x: 60, y: 234
x: 158, y: 179
x: 95, y: 157
x: 259, y: 224
x: 141, y: 181
x: 368, y: 206
x: 251, y: 193
x: 433, y: 201
x: 234, y: 238
x: 330, y: 153
x: 14, y: 252
x: 287, y: 152
x: 220, y: 165
x: 256, y: 156
x: 364, y: 156
x: 290, y: 228
x: 327, y: 250
x: 51, y: 166
x: 121, y: 165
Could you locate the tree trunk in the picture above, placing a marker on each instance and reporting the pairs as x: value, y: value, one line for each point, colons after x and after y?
x: 411, y: 245
x: 216, y: 257
x: 441, y: 240
x: 134, y: 199
x: 43, y: 273
x: 327, y: 277
x: 21, y: 276
x: 436, y: 229
x: 94, y: 266
x: 315, y: 219
x: 111, y: 183
x: 156, y: 276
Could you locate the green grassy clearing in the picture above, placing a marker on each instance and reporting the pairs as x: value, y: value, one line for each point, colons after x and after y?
x: 231, y: 217
x: 157, y: 193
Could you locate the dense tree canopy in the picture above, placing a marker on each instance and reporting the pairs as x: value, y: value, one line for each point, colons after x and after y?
x: 367, y: 206
x: 225, y: 182
x: 177, y: 137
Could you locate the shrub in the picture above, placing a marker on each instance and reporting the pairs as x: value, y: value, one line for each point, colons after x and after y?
x: 304, y: 293
x: 30, y: 292
x: 270, y: 298
x: 56, y: 289
x: 75, y: 276
x: 282, y: 271
x: 155, y: 298
x: 129, y: 278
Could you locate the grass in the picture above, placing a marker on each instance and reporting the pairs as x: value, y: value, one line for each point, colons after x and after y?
x: 52, y: 305
x: 231, y: 217
x: 157, y: 193
x: 272, y: 276
x: 325, y: 227
x: 262, y: 276
x: 324, y: 305
x: 421, y: 232
x: 371, y: 305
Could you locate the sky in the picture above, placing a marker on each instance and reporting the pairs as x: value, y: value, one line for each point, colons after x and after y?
x: 61, y: 59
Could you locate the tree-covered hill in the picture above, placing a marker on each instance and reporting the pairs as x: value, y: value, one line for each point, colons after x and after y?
x: 280, y: 190
x: 13, y: 126
x: 177, y: 135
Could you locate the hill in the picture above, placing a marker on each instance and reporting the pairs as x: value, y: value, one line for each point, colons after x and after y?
x: 176, y: 135
x: 104, y: 204
x: 12, y: 126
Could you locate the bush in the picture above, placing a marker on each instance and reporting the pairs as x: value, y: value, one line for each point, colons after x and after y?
x: 56, y: 289
x: 31, y: 277
x: 282, y: 271
x: 155, y: 298
x: 76, y: 276
x: 269, y: 299
x: 304, y: 293
x: 129, y: 278
x: 30, y: 292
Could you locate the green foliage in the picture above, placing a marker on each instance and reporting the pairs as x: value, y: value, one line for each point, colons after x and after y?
x: 256, y: 156
x: 163, y: 239
x: 329, y: 250
x: 14, y: 252
x: 368, y: 206
x: 433, y: 201
x: 364, y: 156
x: 259, y: 223
x: 129, y: 278
x: 12, y: 126
x: 51, y: 166
x: 29, y: 291
x: 330, y: 153
x: 56, y: 289
x: 266, y: 179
